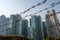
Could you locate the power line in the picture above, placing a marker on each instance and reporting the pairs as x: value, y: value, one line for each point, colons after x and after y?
x: 52, y: 5
x: 33, y: 7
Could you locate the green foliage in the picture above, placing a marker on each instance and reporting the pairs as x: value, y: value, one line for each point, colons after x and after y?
x: 58, y: 38
x: 49, y: 38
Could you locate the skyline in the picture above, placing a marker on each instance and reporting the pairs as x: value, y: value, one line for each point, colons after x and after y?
x: 8, y: 7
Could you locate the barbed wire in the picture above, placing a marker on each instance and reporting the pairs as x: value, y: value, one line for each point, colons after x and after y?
x: 36, y: 21
x: 53, y: 14
x: 52, y: 5
x: 33, y: 7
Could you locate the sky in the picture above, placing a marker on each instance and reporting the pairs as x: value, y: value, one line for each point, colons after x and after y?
x: 9, y: 7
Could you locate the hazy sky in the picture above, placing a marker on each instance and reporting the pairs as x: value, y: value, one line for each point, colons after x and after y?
x: 8, y: 7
